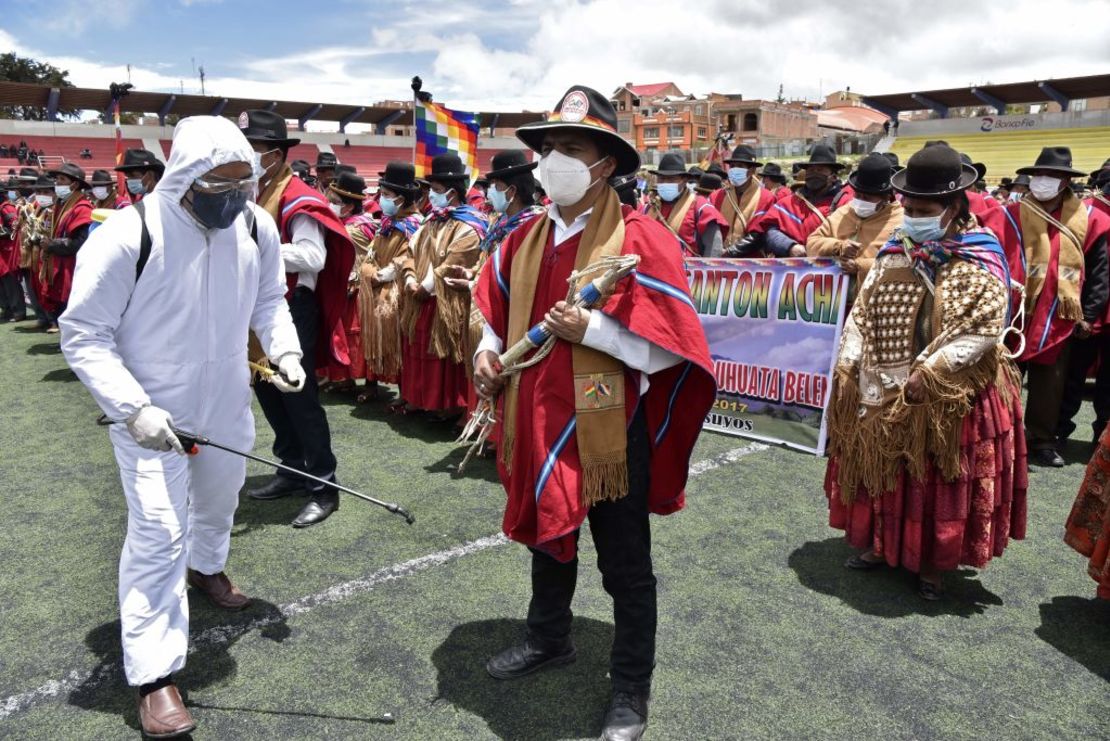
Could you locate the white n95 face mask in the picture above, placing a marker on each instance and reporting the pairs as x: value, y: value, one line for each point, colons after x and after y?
x: 100, y: 192
x: 1044, y: 187
x: 864, y: 209
x: 565, y: 179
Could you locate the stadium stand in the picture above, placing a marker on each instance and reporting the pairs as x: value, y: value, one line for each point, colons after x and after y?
x: 68, y: 148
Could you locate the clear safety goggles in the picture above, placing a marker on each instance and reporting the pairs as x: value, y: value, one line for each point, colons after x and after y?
x: 216, y: 186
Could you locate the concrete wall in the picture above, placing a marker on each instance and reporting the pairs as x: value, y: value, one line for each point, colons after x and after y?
x: 989, y: 124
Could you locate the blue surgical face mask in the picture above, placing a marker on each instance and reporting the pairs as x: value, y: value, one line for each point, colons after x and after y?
x: 499, y: 199
x: 738, y: 175
x: 389, y: 206
x: 218, y: 210
x: 62, y: 191
x: 923, y: 229
x: 438, y: 200
x: 12, y: 195
x: 135, y: 186
x: 668, y: 191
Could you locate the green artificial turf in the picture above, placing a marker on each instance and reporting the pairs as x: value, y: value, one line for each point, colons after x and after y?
x: 762, y: 632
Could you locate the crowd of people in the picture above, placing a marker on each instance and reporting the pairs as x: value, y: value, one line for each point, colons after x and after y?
x: 21, y: 153
x: 239, y: 265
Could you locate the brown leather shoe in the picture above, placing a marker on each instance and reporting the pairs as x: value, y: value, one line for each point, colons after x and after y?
x: 219, y: 590
x: 163, y: 714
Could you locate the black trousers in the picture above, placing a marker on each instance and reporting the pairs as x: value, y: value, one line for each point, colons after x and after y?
x: 1042, y: 407
x: 622, y: 536
x: 302, y: 437
x: 11, y: 294
x: 1084, y: 354
x: 29, y: 292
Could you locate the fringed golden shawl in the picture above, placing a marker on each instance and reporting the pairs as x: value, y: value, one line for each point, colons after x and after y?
x: 1072, y: 226
x: 379, y: 303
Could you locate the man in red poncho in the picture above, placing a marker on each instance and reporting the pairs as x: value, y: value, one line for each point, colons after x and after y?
x: 71, y: 220
x: 745, y: 199
x: 687, y: 214
x: 11, y: 293
x: 318, y: 257
x: 602, y: 428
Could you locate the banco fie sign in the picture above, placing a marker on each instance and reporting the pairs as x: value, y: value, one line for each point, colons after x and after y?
x: 1008, y: 123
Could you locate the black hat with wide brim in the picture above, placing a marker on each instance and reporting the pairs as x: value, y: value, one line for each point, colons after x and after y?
x: 101, y: 177
x: 872, y: 176
x: 509, y: 163
x: 1056, y: 159
x: 140, y: 159
x: 822, y: 154
x: 772, y: 171
x: 70, y: 170
x: 671, y: 165
x: 349, y: 185
x: 584, y: 109
x: 979, y: 166
x: 265, y: 126
x: 447, y: 166
x: 400, y: 177
x: 742, y: 155
x: 934, y: 171
x: 1104, y: 168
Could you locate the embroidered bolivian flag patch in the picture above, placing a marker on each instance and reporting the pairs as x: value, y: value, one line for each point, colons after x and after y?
x: 598, y: 391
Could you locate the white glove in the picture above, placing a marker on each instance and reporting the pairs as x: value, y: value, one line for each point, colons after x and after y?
x: 152, y: 428
x: 290, y: 375
x: 388, y: 274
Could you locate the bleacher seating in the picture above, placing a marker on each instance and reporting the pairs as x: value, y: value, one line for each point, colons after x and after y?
x: 1004, y: 152
x: 69, y: 147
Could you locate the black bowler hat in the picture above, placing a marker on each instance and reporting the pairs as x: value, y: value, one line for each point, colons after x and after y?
x: 708, y: 183
x: 265, y: 126
x: 716, y: 169
x: 1056, y: 159
x: 584, y: 109
x: 43, y: 182
x: 772, y: 171
x: 936, y: 143
x: 1021, y: 179
x: 301, y: 167
x: 797, y: 167
x: 822, y: 154
x: 447, y: 167
x: 1005, y: 182
x: 348, y: 185
x: 140, y: 159
x: 101, y: 177
x: 892, y: 158
x: 28, y: 174
x: 694, y: 173
x: 1104, y: 168
x: 934, y: 171
x: 508, y: 163
x: 344, y: 168
x: 742, y: 155
x: 625, y: 185
x: 872, y: 176
x: 979, y: 166
x: 400, y: 177
x: 326, y: 160
x: 71, y: 170
x: 671, y: 165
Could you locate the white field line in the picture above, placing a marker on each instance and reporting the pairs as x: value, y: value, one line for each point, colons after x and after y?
x: 224, y: 634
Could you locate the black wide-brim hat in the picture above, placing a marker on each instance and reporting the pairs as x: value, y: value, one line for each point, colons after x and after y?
x: 265, y: 126
x: 43, y: 182
x: 671, y: 165
x: 70, y: 170
x: 447, y: 166
x: 508, y: 163
x: 349, y: 185
x: 979, y: 166
x: 400, y: 177
x: 623, y: 183
x: 28, y: 174
x: 872, y: 176
x: 1022, y: 179
x: 140, y: 159
x: 822, y: 154
x: 101, y: 177
x: 934, y: 171
x: 742, y: 155
x: 772, y: 171
x: 1056, y: 159
x: 1105, y: 166
x: 326, y: 160
x: 584, y: 109
x: 708, y: 183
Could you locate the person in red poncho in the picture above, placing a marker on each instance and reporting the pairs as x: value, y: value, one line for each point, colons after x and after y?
x: 745, y: 199
x: 688, y: 215
x: 602, y: 428
x: 71, y: 219
x: 318, y: 257
x: 1056, y: 247
x: 103, y: 192
x: 11, y: 293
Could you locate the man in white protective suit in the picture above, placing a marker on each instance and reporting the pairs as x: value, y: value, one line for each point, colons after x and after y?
x: 163, y: 344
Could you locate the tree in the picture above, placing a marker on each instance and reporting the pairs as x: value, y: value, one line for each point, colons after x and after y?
x: 14, y: 68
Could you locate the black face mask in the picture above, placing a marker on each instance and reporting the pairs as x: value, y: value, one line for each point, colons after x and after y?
x: 218, y: 210
x: 816, y: 183
x: 1106, y: 188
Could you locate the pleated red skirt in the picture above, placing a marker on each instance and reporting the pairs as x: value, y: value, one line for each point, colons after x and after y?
x: 428, y: 382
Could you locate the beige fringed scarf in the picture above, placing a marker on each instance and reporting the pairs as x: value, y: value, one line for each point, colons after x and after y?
x: 379, y: 303
x: 600, y: 431
x: 738, y: 213
x: 1072, y: 227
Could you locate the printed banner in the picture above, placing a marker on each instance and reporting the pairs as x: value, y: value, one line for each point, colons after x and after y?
x: 773, y: 327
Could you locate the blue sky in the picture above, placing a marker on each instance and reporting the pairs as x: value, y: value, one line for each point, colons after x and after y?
x: 522, y: 54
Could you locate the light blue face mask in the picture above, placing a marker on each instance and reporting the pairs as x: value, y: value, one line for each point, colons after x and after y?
x: 62, y: 191
x: 668, y: 191
x: 499, y: 199
x: 923, y: 229
x: 12, y: 195
x: 389, y: 206
x: 738, y: 175
x: 438, y: 200
x: 135, y: 186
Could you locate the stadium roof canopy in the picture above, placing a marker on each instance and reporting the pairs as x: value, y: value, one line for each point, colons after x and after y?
x: 163, y: 104
x: 1061, y: 91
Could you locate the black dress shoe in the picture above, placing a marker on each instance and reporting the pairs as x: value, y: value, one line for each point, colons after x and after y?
x: 626, y: 718
x: 18, y: 318
x: 321, y: 506
x: 276, y: 488
x: 526, y: 658
x: 1046, y: 457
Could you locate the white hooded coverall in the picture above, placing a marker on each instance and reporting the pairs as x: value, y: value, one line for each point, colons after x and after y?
x: 176, y: 339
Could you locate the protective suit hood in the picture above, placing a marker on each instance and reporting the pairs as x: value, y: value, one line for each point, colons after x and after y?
x: 199, y: 144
